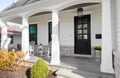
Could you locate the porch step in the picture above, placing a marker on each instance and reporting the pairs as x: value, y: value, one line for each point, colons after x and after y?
x: 67, y: 73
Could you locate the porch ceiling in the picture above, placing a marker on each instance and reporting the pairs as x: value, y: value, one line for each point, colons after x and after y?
x: 68, y: 8
x: 41, y: 13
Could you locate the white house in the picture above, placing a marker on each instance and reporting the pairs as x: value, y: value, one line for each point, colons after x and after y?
x: 57, y: 21
x: 14, y: 33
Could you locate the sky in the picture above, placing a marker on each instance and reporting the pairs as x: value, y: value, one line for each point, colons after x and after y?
x: 4, y: 4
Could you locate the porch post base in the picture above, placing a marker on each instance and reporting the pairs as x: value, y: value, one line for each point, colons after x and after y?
x: 106, y: 69
x: 27, y: 57
x: 55, y: 62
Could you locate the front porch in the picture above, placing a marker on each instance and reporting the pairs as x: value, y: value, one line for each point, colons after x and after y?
x: 63, y: 28
x: 82, y: 66
x: 74, y: 62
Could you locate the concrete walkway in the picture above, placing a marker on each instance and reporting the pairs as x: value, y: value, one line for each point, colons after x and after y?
x: 82, y: 74
x: 77, y: 67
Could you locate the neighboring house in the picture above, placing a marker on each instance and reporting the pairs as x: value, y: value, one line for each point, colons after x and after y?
x: 44, y: 21
x: 14, y: 33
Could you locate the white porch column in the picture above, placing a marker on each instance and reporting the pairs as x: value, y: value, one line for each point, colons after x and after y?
x: 55, y: 58
x: 25, y: 36
x: 106, y: 56
x: 4, y: 39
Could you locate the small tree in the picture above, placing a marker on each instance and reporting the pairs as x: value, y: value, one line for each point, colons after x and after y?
x: 39, y: 69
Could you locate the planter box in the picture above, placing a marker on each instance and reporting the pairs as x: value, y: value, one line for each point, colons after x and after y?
x: 97, y: 54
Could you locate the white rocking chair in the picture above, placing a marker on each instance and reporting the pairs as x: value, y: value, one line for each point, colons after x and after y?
x: 31, y: 50
x: 40, y: 50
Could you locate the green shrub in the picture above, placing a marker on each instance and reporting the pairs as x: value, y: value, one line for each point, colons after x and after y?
x: 39, y: 69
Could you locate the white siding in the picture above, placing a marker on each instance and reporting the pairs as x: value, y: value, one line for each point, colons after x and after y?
x: 118, y: 24
x: 96, y: 27
x: 67, y: 26
x: 17, y: 39
x: 115, y: 13
x: 114, y: 24
x: 115, y: 10
x: 42, y: 31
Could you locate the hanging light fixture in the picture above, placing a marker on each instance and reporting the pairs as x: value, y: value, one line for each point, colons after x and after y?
x: 80, y: 12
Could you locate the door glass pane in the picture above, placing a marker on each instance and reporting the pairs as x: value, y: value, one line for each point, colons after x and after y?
x: 79, y: 37
x: 79, y: 32
x: 84, y: 21
x: 85, y: 31
x: 79, y: 21
x: 85, y: 37
x: 80, y: 26
x: 85, y: 26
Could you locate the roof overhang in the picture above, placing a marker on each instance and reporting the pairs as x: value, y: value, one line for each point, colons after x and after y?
x: 43, y: 5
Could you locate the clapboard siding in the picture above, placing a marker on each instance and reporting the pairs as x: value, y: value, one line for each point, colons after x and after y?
x: 114, y: 35
x: 115, y: 15
x: 117, y: 64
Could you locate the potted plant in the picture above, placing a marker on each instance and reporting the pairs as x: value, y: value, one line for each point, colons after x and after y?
x: 97, y: 48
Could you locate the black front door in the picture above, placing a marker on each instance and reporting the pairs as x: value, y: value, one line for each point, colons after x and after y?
x: 82, y: 35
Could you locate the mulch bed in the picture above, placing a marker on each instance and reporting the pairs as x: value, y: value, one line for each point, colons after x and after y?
x: 23, y: 73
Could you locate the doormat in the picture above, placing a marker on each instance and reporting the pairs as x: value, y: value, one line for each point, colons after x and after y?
x: 82, y: 58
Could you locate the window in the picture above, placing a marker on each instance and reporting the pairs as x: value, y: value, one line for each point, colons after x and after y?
x: 33, y: 33
x: 50, y: 31
x: 11, y: 37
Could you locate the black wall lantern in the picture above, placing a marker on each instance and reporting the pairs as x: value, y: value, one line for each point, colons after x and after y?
x: 80, y: 12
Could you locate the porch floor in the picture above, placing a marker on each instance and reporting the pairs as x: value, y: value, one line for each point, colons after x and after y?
x: 84, y: 66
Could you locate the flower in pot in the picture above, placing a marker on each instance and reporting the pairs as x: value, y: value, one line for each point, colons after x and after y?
x: 97, y: 48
